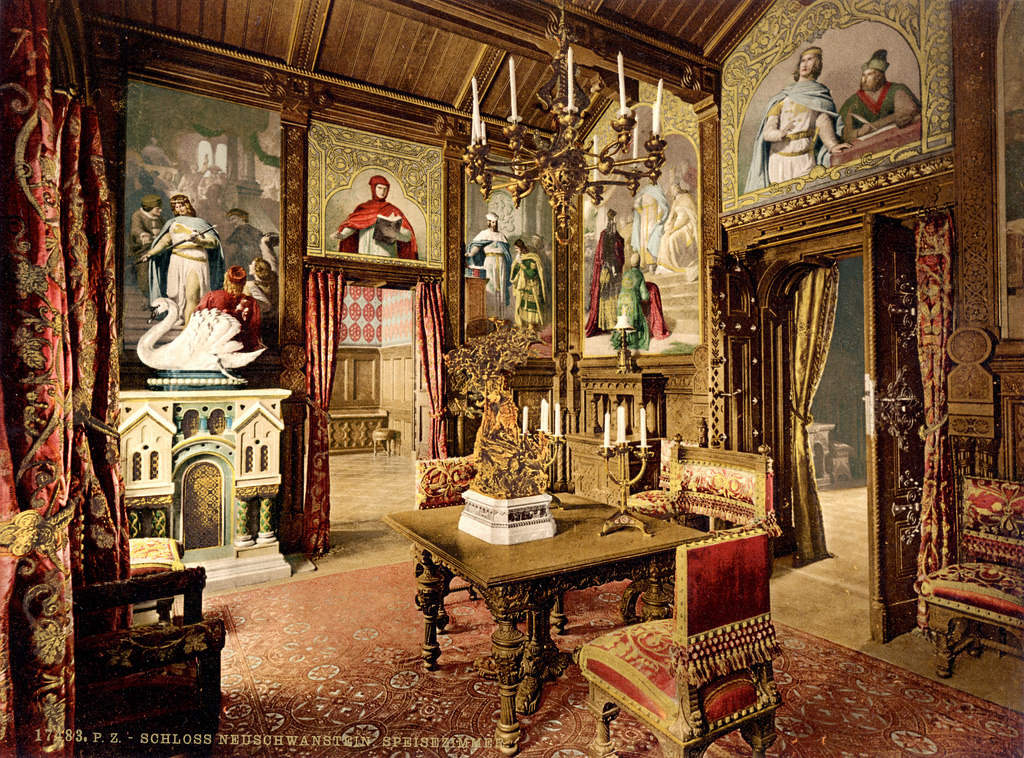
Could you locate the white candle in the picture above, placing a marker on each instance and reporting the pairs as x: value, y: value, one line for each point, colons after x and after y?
x: 657, y: 109
x: 622, y: 87
x: 620, y: 425
x: 558, y: 420
x: 544, y: 424
x: 512, y: 87
x: 636, y: 139
x: 643, y: 427
x: 607, y: 429
x: 526, y: 416
x: 476, y: 114
x: 571, y: 98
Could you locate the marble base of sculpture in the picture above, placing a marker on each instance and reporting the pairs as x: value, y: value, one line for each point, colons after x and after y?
x: 507, y: 522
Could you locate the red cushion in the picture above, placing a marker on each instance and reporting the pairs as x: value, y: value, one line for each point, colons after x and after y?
x: 724, y: 697
x: 985, y: 587
x: 636, y: 661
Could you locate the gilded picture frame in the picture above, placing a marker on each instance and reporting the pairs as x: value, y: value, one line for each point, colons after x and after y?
x: 381, y: 195
x: 915, y: 42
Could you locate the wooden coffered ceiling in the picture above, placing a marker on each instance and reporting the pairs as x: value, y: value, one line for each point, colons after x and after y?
x: 429, y: 50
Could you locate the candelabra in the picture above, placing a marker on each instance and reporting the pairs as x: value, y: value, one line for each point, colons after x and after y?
x: 563, y: 164
x: 622, y: 451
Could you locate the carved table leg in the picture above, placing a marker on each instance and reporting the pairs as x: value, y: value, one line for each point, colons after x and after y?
x: 506, y: 654
x: 542, y: 660
x: 429, y: 599
x: 558, y: 617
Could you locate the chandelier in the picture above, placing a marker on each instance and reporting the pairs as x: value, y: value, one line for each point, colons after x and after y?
x: 563, y: 165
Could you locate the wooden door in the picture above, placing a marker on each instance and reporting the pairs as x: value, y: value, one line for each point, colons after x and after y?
x: 895, y: 412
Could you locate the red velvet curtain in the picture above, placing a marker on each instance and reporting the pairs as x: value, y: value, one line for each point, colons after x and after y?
x: 934, y: 243
x: 61, y: 500
x: 324, y: 290
x: 430, y: 340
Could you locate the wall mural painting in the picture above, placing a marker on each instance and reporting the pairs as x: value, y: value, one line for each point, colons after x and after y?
x: 1012, y: 259
x: 642, y: 254
x: 202, y: 212
x: 817, y: 95
x: 508, y: 262
x: 373, y: 198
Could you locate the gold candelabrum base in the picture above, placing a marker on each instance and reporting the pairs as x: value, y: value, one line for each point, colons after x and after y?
x: 555, y: 443
x: 621, y: 451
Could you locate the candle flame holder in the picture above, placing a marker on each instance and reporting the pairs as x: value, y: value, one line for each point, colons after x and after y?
x: 621, y: 451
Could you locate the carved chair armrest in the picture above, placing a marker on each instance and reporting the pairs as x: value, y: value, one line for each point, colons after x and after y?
x: 116, y: 654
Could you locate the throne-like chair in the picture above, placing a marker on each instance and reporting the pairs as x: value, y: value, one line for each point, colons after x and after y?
x: 708, y: 671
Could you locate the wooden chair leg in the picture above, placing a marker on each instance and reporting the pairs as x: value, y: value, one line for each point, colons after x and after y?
x: 759, y: 734
x: 943, y: 655
x: 604, y: 713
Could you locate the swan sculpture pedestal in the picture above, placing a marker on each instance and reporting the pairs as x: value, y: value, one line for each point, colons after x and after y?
x: 203, y: 467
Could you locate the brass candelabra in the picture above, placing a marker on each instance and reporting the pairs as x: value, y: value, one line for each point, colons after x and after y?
x: 622, y: 451
x: 563, y: 163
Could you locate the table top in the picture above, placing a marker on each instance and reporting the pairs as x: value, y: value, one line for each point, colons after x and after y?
x: 577, y: 544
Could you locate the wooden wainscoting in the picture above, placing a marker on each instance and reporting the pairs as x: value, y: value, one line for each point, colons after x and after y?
x: 373, y: 388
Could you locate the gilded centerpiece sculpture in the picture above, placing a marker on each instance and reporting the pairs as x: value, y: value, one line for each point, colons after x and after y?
x: 507, y: 501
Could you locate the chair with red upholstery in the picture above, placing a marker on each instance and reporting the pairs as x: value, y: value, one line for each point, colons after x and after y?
x: 723, y: 485
x: 708, y: 671
x: 979, y: 600
x: 440, y: 482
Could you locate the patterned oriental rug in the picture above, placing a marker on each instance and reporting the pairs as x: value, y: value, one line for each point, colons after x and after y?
x: 330, y: 666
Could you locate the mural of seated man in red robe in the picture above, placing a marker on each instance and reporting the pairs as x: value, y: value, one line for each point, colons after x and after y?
x: 244, y: 307
x: 376, y: 227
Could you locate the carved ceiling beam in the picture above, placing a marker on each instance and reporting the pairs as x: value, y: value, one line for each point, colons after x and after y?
x: 526, y: 28
x: 485, y: 71
x: 307, y: 35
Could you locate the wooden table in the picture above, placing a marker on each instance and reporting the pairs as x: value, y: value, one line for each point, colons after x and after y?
x: 523, y: 582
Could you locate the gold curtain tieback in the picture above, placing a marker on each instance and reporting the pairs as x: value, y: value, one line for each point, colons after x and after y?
x: 926, y: 431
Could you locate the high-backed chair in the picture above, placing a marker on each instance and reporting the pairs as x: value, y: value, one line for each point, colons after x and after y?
x: 149, y: 679
x: 979, y: 600
x: 724, y: 485
x: 708, y: 671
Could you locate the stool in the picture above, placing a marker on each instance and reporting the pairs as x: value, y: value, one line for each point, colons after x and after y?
x: 383, y: 438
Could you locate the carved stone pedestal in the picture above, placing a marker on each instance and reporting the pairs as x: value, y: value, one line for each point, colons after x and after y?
x: 507, y: 522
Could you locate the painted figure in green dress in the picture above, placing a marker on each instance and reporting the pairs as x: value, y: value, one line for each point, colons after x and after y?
x: 632, y: 295
x: 527, y: 278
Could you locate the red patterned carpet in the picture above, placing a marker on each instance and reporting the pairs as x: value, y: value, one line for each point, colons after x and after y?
x: 329, y: 666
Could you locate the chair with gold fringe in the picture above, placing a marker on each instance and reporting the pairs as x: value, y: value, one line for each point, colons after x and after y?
x: 708, y: 671
x: 978, y: 601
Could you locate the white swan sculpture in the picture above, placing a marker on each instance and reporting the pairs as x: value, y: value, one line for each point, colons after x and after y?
x: 207, y: 343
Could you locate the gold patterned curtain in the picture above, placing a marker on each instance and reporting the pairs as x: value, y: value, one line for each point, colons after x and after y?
x: 934, y: 242
x: 814, y: 317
